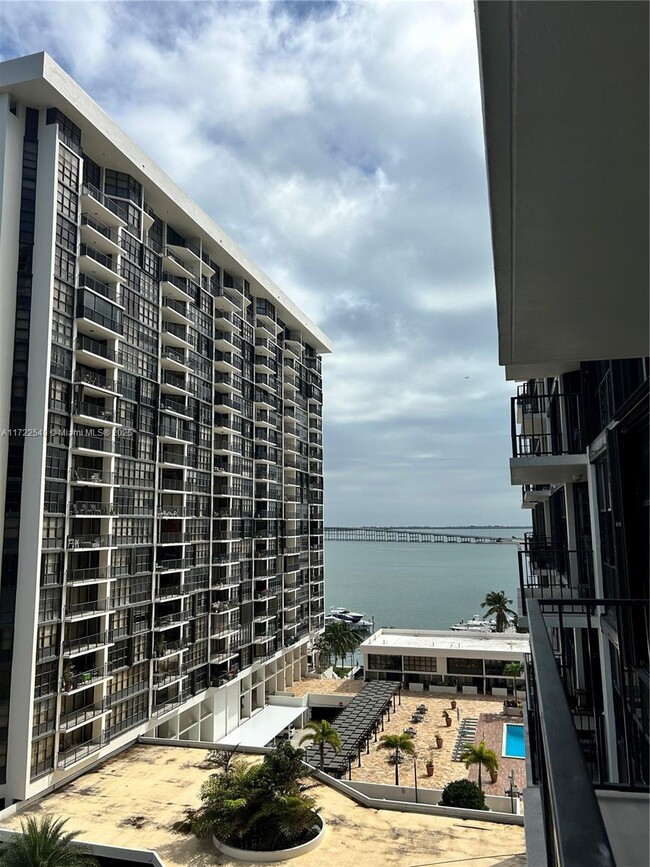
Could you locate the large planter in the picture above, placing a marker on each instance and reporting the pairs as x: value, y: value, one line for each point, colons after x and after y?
x: 261, y: 857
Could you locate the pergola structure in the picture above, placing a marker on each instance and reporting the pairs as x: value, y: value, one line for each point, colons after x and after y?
x: 356, y: 724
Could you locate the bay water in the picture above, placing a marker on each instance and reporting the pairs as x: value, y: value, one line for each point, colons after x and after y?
x: 426, y: 585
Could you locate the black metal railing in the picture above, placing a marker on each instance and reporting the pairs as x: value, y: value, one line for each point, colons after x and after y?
x: 549, y: 569
x: 570, y: 724
x: 549, y: 424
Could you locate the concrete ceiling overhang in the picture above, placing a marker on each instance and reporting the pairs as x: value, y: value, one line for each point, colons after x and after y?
x: 565, y: 102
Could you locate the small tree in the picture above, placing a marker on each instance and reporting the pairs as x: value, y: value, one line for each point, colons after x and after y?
x: 497, y: 604
x: 342, y: 639
x: 401, y: 742
x: 463, y: 793
x: 513, y: 670
x: 482, y: 756
x: 44, y: 843
x: 322, y: 734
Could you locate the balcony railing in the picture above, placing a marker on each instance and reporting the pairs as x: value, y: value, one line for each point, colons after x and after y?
x: 79, y: 751
x: 568, y: 716
x: 549, y: 569
x: 114, y: 207
x: 550, y: 424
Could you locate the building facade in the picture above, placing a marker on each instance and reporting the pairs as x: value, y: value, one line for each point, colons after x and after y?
x: 446, y: 662
x: 565, y: 94
x: 161, y: 451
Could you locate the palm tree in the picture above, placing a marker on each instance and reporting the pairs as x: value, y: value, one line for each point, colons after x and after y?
x: 322, y: 734
x: 401, y: 742
x: 480, y: 755
x: 497, y: 604
x: 513, y: 670
x: 342, y: 639
x: 44, y: 843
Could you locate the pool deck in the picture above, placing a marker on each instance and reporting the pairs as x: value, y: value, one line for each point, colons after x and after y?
x: 375, y: 767
x: 490, y: 727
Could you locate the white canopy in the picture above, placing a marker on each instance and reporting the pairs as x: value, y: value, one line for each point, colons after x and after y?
x: 260, y: 729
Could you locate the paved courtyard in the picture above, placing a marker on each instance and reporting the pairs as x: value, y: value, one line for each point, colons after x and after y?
x: 376, y: 768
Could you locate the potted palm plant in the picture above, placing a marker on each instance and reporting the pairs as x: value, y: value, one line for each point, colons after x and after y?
x: 68, y: 677
x: 429, y: 765
x: 439, y: 740
x: 447, y: 718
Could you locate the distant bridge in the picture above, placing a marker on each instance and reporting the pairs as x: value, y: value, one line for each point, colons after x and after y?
x: 388, y: 534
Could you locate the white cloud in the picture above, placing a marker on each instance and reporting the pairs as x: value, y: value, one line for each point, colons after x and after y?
x: 341, y: 146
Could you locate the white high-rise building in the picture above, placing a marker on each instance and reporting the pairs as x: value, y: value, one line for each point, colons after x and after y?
x: 161, y: 451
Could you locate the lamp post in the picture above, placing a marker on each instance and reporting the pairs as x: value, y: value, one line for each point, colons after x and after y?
x: 415, y: 775
x: 512, y: 790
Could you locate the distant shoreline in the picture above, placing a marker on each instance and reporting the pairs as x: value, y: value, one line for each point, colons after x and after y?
x: 435, y: 526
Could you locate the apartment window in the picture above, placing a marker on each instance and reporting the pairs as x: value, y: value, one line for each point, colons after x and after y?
x: 143, y: 560
x: 48, y: 641
x: 61, y: 362
x: 141, y: 620
x: 46, y: 678
x: 140, y: 647
x: 149, y: 288
x: 44, y: 715
x: 151, y: 263
x: 51, y: 569
x: 384, y: 662
x: 122, y: 186
x: 494, y: 667
x: 420, y: 663
x: 56, y: 463
x: 57, y: 431
x: 126, y: 414
x: 456, y: 665
x: 49, y: 604
x: 146, y: 447
x: 54, y: 497
x: 42, y: 756
x: 100, y: 310
x: 92, y: 173
x: 131, y: 247
x: 146, y: 419
x: 136, y: 530
x: 64, y: 264
x: 66, y: 233
x: 128, y: 714
x: 118, y: 656
x: 66, y: 202
x: 119, y: 624
x: 53, y: 532
x: 60, y: 392
x: 128, y: 385
x: 134, y: 473
x: 68, y: 169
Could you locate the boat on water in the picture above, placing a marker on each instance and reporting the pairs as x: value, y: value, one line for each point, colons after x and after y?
x: 354, y: 618
x: 475, y: 624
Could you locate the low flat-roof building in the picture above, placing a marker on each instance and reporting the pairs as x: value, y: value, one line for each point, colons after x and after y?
x: 472, y: 663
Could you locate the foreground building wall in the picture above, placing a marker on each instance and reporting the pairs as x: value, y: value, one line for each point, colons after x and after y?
x: 565, y: 94
x: 161, y: 457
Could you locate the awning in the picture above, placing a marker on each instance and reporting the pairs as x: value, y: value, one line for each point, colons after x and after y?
x: 260, y: 729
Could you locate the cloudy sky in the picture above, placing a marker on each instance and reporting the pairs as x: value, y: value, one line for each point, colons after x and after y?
x: 341, y: 146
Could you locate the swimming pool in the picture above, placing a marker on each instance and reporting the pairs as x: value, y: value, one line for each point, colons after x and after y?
x: 513, y: 741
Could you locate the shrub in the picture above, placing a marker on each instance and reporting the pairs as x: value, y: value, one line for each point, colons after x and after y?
x: 259, y: 806
x: 463, y: 793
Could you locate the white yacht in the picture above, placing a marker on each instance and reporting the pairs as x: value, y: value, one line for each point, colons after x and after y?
x: 474, y: 624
